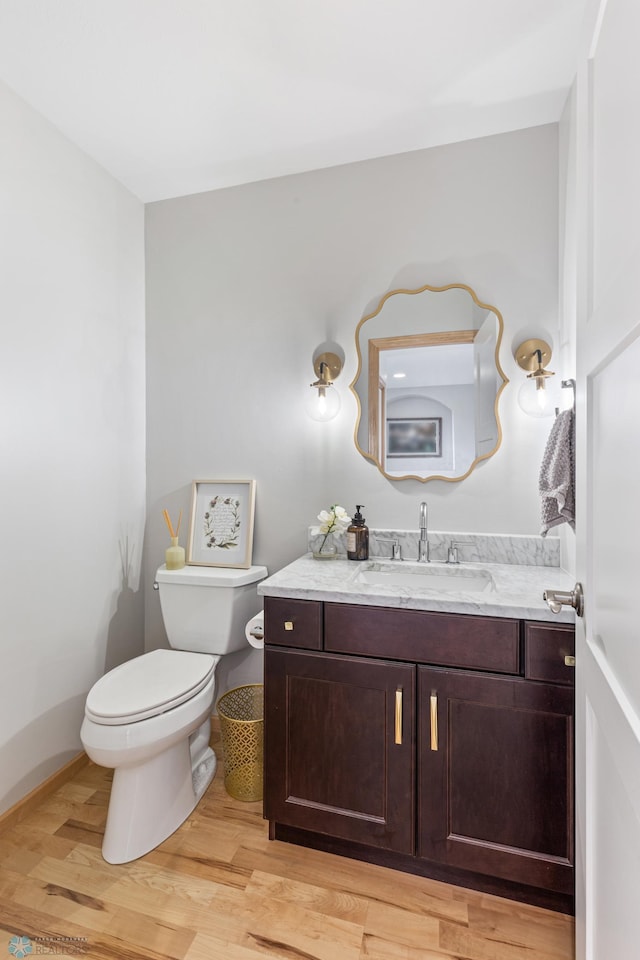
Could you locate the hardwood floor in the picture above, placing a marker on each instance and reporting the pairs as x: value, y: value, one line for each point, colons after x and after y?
x: 218, y: 889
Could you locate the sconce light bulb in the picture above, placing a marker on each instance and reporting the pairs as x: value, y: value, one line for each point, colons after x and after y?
x: 542, y: 396
x: 324, y: 404
x: 539, y: 398
x: 539, y: 395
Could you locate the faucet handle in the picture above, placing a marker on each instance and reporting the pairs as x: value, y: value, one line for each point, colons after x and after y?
x: 452, y: 552
x: 396, y: 553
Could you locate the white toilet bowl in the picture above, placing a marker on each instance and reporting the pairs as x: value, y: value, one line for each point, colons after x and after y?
x: 150, y: 720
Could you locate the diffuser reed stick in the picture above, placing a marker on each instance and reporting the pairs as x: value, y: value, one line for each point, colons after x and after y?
x: 172, y: 533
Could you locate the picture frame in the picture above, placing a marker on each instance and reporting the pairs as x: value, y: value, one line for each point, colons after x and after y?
x: 221, y: 523
x: 414, y: 437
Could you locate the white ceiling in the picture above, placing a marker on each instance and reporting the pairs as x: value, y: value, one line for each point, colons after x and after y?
x: 179, y: 96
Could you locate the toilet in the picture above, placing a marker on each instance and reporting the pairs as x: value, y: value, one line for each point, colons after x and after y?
x: 150, y: 718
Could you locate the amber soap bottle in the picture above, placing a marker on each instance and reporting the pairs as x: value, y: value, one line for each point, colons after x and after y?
x: 358, y: 537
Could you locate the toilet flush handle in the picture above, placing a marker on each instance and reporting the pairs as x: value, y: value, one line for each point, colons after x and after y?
x: 156, y: 585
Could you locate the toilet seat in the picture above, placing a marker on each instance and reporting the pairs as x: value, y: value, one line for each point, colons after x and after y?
x: 148, y: 685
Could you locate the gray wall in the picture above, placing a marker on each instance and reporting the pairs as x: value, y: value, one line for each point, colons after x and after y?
x: 244, y: 283
x: 72, y: 439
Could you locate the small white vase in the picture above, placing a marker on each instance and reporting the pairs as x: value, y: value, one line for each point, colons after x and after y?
x: 327, y: 551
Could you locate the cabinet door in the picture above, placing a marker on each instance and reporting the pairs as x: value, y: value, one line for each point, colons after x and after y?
x: 340, y: 747
x: 496, y: 776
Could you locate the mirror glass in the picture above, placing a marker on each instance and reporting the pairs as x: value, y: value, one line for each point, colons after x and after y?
x: 428, y: 383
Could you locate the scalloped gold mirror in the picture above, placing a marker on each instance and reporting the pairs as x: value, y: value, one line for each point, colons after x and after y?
x: 428, y: 383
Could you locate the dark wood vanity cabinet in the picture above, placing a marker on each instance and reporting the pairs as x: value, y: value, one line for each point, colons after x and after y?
x: 434, y: 743
x: 340, y: 761
x: 495, y: 787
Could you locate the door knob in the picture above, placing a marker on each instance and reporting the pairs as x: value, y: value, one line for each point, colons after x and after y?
x: 566, y: 598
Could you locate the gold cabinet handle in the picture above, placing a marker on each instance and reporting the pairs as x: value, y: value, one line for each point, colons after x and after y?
x: 398, y: 738
x: 433, y: 712
x: 288, y: 624
x: 569, y: 661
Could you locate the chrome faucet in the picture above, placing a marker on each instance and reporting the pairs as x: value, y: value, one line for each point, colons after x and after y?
x: 423, y: 542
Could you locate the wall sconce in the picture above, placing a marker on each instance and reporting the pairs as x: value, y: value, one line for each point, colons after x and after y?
x: 537, y: 396
x: 324, y: 401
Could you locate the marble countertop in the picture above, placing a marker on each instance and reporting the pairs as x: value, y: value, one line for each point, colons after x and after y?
x: 514, y: 590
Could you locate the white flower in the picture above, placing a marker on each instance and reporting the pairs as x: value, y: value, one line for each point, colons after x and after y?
x: 342, y: 518
x: 334, y: 520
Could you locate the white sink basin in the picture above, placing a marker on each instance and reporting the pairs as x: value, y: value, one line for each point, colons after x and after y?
x: 436, y: 578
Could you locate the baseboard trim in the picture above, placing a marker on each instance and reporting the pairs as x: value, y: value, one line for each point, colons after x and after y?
x: 23, y: 807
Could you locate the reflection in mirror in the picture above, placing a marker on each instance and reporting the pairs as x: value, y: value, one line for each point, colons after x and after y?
x: 428, y: 383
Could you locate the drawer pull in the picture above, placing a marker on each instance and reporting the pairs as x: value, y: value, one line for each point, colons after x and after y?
x: 288, y: 624
x: 569, y: 661
x: 433, y: 710
x: 398, y: 738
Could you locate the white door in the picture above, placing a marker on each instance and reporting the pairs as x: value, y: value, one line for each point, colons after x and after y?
x: 608, y: 488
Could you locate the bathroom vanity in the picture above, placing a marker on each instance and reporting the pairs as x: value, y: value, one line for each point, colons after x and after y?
x: 425, y: 729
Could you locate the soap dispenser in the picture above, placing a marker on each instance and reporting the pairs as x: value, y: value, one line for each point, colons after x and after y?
x: 358, y: 537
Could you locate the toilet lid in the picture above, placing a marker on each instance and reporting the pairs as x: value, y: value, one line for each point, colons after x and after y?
x: 148, y: 685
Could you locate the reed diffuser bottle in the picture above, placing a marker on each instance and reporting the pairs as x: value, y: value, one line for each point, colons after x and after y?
x: 174, y: 555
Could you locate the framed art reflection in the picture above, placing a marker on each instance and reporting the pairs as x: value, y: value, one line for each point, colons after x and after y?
x: 414, y: 437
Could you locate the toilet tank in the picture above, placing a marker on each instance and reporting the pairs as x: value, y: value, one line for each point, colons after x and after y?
x: 205, y: 609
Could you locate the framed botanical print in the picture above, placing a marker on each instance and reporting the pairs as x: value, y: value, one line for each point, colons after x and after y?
x: 221, y: 527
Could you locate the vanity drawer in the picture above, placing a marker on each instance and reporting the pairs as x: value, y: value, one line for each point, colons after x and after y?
x: 452, y: 640
x: 293, y: 623
x: 546, y: 645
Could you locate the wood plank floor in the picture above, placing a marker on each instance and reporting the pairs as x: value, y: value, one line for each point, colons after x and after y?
x: 218, y: 889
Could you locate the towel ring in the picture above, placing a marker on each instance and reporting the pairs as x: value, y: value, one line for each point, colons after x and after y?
x: 572, y: 384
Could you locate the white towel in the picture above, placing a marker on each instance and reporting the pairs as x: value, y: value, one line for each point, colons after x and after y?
x: 557, y: 474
